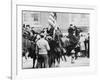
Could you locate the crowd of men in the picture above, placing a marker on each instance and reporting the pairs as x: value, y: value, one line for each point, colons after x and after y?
x: 50, y: 45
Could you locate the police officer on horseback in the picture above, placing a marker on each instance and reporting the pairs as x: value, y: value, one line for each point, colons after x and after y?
x: 73, y: 40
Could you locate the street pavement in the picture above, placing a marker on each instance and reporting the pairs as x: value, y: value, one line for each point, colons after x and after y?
x: 81, y: 61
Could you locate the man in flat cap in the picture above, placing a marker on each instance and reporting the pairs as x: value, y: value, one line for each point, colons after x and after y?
x: 43, y: 47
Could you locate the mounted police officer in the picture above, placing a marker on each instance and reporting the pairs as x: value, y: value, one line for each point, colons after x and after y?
x: 72, y: 41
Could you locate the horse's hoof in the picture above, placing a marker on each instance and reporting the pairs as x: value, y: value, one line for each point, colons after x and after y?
x: 72, y: 62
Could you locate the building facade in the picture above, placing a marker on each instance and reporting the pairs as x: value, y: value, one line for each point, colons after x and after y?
x: 40, y: 20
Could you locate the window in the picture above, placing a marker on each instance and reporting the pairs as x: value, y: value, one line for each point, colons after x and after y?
x: 36, y: 17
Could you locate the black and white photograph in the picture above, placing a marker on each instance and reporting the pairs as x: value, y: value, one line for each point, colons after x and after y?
x: 50, y: 40
x: 55, y: 39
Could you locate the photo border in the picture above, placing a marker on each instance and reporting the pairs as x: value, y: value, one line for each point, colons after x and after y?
x: 14, y: 73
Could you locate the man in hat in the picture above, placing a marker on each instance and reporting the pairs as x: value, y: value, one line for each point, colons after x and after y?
x: 73, y: 42
x: 43, y: 47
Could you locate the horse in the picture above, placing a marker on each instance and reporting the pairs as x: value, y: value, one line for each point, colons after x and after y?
x: 70, y: 44
x: 25, y: 46
x: 29, y: 46
x: 54, y: 52
x: 55, y: 46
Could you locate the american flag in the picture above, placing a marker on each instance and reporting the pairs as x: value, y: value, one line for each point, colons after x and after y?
x: 53, y: 21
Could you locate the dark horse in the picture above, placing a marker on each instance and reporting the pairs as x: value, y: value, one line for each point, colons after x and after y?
x: 29, y: 46
x: 71, y: 43
x: 55, y: 47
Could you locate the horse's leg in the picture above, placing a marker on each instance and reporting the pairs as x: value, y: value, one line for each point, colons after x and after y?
x: 64, y: 57
x: 42, y: 65
x: 38, y: 64
x: 53, y: 59
x: 72, y: 58
x: 76, y: 52
x: 26, y: 55
x: 34, y: 60
x: 53, y: 62
x: 75, y: 55
x: 65, y: 54
x: 58, y: 61
x: 58, y: 58
x: 61, y: 57
x: 50, y: 61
